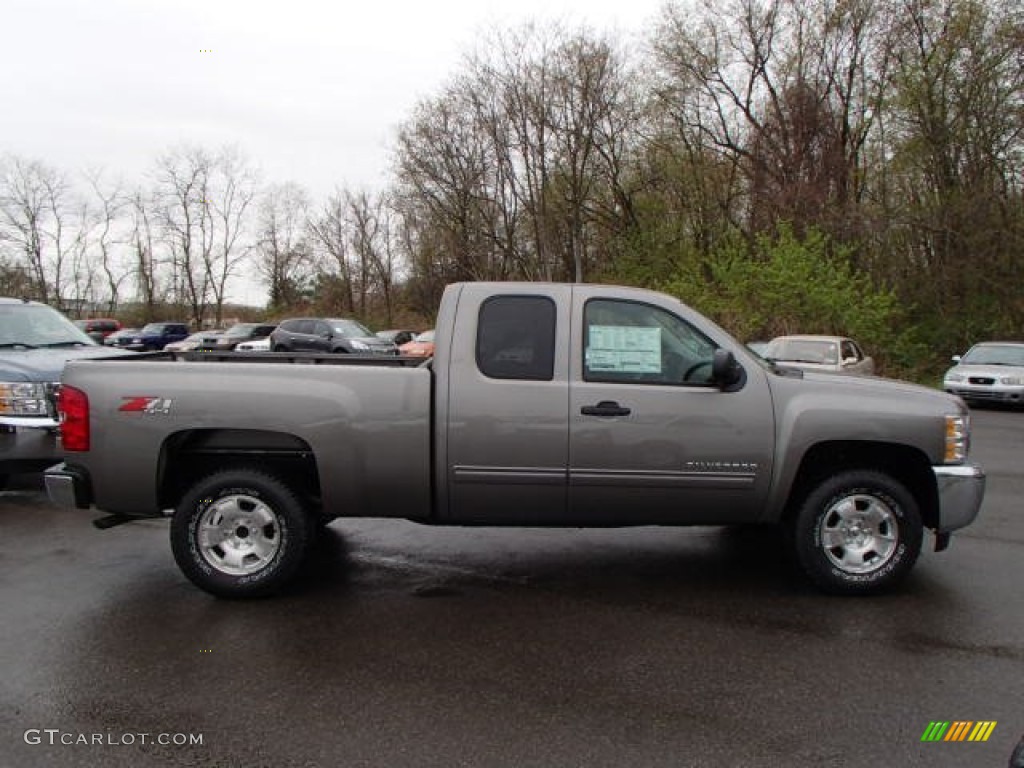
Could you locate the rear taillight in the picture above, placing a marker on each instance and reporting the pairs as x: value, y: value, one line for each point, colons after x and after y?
x: 73, y: 406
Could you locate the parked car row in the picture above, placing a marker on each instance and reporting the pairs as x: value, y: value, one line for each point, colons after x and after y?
x: 302, y: 334
x: 990, y: 371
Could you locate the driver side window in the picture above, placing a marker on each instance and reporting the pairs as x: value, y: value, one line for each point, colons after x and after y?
x: 631, y: 342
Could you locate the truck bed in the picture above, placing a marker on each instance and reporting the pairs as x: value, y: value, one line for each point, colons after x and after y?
x: 363, y: 422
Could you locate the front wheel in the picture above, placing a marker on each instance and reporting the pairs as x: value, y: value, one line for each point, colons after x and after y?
x: 858, y: 532
x: 240, y: 533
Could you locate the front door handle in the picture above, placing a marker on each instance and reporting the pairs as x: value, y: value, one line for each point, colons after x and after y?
x: 604, y: 408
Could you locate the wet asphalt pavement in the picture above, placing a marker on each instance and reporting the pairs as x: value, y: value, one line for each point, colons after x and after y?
x: 412, y: 646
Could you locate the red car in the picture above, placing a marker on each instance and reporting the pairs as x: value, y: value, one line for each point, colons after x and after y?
x: 421, y: 346
x: 98, y: 328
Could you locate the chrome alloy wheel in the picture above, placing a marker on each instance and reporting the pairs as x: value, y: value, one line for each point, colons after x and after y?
x: 238, y: 535
x: 859, y: 533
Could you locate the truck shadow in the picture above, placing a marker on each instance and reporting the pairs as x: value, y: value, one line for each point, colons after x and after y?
x: 712, y: 561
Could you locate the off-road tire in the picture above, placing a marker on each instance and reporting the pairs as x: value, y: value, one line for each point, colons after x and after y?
x: 856, y: 533
x: 240, y: 533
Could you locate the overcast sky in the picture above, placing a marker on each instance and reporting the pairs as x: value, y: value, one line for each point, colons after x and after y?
x: 311, y: 91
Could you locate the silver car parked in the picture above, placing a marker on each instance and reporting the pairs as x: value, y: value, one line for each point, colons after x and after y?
x: 990, y: 372
x: 820, y: 353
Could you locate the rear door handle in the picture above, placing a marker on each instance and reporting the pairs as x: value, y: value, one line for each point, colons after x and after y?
x: 605, y: 408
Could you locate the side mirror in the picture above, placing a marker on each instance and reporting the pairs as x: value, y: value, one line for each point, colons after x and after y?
x: 956, y: 358
x: 725, y: 371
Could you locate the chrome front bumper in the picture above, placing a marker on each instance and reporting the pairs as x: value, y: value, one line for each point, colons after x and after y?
x: 27, y: 447
x: 961, y: 489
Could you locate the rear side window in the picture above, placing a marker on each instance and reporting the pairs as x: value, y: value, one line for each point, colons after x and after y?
x: 516, y: 338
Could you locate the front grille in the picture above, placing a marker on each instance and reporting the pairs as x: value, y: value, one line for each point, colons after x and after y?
x: 983, y: 380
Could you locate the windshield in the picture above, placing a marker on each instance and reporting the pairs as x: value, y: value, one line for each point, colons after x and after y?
x: 349, y: 328
x: 817, y: 351
x: 36, y: 325
x: 995, y: 354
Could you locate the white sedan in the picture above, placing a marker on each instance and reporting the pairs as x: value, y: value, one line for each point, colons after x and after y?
x: 256, y: 345
x: 990, y: 372
x: 819, y: 353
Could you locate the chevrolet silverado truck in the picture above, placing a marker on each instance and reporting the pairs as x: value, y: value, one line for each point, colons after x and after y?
x: 544, y: 405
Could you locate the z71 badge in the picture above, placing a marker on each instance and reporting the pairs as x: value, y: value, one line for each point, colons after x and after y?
x: 146, y: 405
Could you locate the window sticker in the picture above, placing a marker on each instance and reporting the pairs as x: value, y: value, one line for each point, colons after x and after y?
x: 624, y: 349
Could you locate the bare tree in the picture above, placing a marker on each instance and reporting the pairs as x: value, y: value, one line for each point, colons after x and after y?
x: 371, y: 245
x: 229, y: 194
x: 518, y: 166
x: 182, y: 207
x: 41, y: 226
x: 786, y: 91
x: 282, y: 253
x: 105, y: 240
x: 329, y: 231
x: 145, y: 266
x: 956, y: 121
x: 203, y: 201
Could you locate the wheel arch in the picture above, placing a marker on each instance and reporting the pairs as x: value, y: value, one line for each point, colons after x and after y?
x: 189, y: 455
x: 905, y: 464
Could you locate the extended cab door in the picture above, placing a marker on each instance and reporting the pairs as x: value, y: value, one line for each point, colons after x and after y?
x: 505, y: 453
x: 652, y: 439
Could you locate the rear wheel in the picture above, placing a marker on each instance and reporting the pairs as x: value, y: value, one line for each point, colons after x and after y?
x: 858, y: 532
x: 240, y: 533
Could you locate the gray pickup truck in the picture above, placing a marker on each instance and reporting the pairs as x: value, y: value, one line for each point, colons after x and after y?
x: 544, y: 405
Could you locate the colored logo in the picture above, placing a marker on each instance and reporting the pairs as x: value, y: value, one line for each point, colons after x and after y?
x: 146, y: 405
x: 959, y: 730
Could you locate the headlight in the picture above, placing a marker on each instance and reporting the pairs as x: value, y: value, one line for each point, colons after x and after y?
x: 20, y: 398
x: 958, y: 440
x: 1013, y: 381
x: 954, y: 377
x: 359, y: 345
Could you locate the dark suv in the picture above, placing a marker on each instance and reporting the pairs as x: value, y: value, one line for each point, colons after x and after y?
x: 235, y: 335
x: 310, y: 334
x: 157, y: 336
